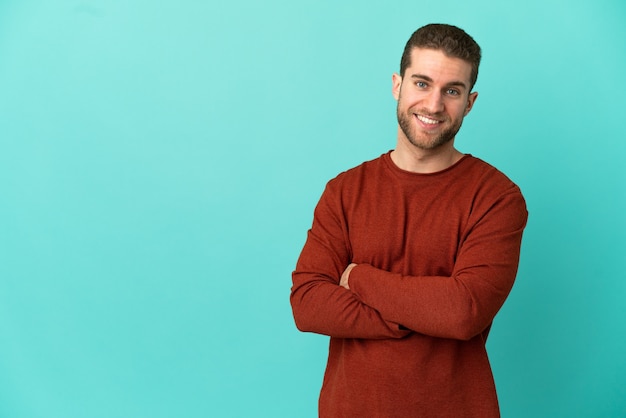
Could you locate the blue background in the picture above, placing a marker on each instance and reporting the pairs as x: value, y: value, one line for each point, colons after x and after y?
x: 159, y: 166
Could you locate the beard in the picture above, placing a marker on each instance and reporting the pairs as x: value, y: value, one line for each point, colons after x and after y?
x: 426, y: 142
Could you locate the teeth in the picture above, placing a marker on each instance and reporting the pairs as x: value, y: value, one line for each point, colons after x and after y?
x: 427, y: 120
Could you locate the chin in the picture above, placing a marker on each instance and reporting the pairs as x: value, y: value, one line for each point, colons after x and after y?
x: 430, y: 145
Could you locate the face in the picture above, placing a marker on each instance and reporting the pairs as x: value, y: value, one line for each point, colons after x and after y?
x: 433, y: 98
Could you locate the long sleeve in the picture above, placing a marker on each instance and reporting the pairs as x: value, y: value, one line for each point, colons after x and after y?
x: 464, y: 304
x: 319, y: 304
x: 436, y: 256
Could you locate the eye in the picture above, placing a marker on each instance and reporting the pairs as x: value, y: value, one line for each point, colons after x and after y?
x: 453, y: 92
x: 421, y: 84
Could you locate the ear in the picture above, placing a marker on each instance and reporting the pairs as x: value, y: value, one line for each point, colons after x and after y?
x: 396, y: 82
x: 470, y: 102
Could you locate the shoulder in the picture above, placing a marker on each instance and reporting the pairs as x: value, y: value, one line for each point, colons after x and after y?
x: 357, y: 174
x: 487, y: 176
x: 494, y: 189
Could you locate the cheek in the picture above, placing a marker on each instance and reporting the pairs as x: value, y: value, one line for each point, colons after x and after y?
x: 406, y: 101
x: 461, y: 110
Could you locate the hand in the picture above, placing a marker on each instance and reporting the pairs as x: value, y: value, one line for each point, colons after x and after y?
x: 346, y: 275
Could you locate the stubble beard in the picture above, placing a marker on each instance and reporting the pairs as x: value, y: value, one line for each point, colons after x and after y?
x: 407, y: 125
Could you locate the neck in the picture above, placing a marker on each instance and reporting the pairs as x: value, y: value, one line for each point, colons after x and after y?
x: 408, y: 157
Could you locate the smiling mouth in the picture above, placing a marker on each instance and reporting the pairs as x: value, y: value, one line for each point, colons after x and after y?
x: 427, y: 120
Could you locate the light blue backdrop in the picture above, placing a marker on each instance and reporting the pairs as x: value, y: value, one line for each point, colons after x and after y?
x: 159, y: 166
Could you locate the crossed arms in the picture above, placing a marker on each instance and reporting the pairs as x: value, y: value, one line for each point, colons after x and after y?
x: 335, y: 295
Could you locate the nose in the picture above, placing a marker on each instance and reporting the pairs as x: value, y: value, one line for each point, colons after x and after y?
x: 434, y: 102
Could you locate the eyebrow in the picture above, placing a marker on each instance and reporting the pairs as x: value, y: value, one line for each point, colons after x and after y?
x: 430, y: 80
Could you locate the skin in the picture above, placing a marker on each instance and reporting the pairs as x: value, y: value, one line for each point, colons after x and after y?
x: 433, y: 97
x: 346, y: 276
x: 436, y: 87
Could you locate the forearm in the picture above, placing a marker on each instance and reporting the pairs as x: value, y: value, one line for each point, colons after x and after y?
x: 461, y: 305
x: 324, y: 307
x: 455, y: 307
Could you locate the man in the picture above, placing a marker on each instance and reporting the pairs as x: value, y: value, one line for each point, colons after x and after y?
x: 411, y: 255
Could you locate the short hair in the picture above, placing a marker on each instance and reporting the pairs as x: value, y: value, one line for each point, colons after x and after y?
x: 451, y: 40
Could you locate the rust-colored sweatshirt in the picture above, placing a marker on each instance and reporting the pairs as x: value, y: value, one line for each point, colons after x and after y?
x: 436, y: 257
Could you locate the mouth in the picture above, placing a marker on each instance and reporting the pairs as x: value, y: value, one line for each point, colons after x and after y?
x: 427, y: 121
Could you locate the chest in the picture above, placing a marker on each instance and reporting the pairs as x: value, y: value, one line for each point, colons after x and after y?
x: 415, y: 231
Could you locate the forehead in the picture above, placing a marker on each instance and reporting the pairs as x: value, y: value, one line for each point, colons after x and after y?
x: 438, y: 66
